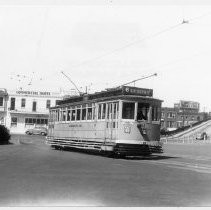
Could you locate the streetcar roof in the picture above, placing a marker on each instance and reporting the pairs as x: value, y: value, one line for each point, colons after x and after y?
x: 123, y: 92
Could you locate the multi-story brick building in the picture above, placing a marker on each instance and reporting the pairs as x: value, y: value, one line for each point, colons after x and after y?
x: 182, y: 114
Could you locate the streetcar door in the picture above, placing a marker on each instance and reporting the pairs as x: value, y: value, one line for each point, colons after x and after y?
x: 112, y: 120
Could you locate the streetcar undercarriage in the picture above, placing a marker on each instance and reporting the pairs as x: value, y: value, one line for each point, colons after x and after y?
x: 109, y: 149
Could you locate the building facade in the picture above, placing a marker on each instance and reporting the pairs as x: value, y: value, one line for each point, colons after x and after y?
x: 168, y: 118
x: 21, y: 110
x: 182, y: 114
x: 3, y: 105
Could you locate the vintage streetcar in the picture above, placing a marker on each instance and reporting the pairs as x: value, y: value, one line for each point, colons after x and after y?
x: 122, y: 121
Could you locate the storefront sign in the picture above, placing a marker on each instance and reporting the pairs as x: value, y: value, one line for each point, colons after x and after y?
x: 33, y: 93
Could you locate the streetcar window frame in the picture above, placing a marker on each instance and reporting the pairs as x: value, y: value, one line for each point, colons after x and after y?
x: 132, y: 113
x: 156, y: 113
x: 78, y: 113
x: 73, y: 114
x: 84, y: 114
x: 68, y: 114
x: 101, y: 113
x: 63, y: 114
x: 89, y: 113
x: 143, y: 109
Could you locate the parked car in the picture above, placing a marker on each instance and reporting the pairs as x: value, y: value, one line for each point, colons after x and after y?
x: 37, y: 131
x: 201, y: 136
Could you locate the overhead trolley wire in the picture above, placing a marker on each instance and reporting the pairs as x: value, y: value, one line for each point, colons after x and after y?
x: 141, y: 40
x: 127, y: 45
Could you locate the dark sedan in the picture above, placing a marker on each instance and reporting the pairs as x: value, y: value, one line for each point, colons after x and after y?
x: 37, y: 131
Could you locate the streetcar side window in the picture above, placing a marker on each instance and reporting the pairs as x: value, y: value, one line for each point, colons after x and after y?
x: 116, y: 110
x: 128, y: 110
x: 83, y: 114
x: 93, y: 113
x: 99, y: 111
x: 73, y: 115
x: 103, y: 111
x: 64, y: 115
x: 155, y: 113
x: 68, y: 114
x: 57, y: 115
x: 51, y: 116
x: 89, y: 113
x: 108, y: 110
x: 78, y: 114
x: 60, y: 115
x: 159, y: 114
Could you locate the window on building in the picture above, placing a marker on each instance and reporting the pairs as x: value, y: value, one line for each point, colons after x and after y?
x: 170, y: 124
x: 1, y: 101
x: 48, y: 104
x: 34, y: 106
x: 23, y: 103
x: 171, y: 115
x: 128, y: 110
x: 57, y: 102
x: 14, y: 121
x: 35, y: 121
x: 12, y: 104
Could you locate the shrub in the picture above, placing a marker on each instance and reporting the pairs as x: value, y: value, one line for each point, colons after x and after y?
x: 4, y: 135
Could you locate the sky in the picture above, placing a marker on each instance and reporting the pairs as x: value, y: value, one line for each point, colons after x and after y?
x: 107, y: 45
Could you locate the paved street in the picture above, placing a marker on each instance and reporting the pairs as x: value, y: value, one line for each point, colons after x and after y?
x: 33, y: 174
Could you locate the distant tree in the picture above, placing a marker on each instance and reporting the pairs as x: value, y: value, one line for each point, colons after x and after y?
x: 4, y: 135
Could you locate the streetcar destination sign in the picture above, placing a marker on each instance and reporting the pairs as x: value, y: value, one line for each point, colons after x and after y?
x: 137, y: 91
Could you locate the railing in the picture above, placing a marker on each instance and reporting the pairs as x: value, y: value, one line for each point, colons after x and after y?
x: 186, y: 128
x: 186, y: 140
